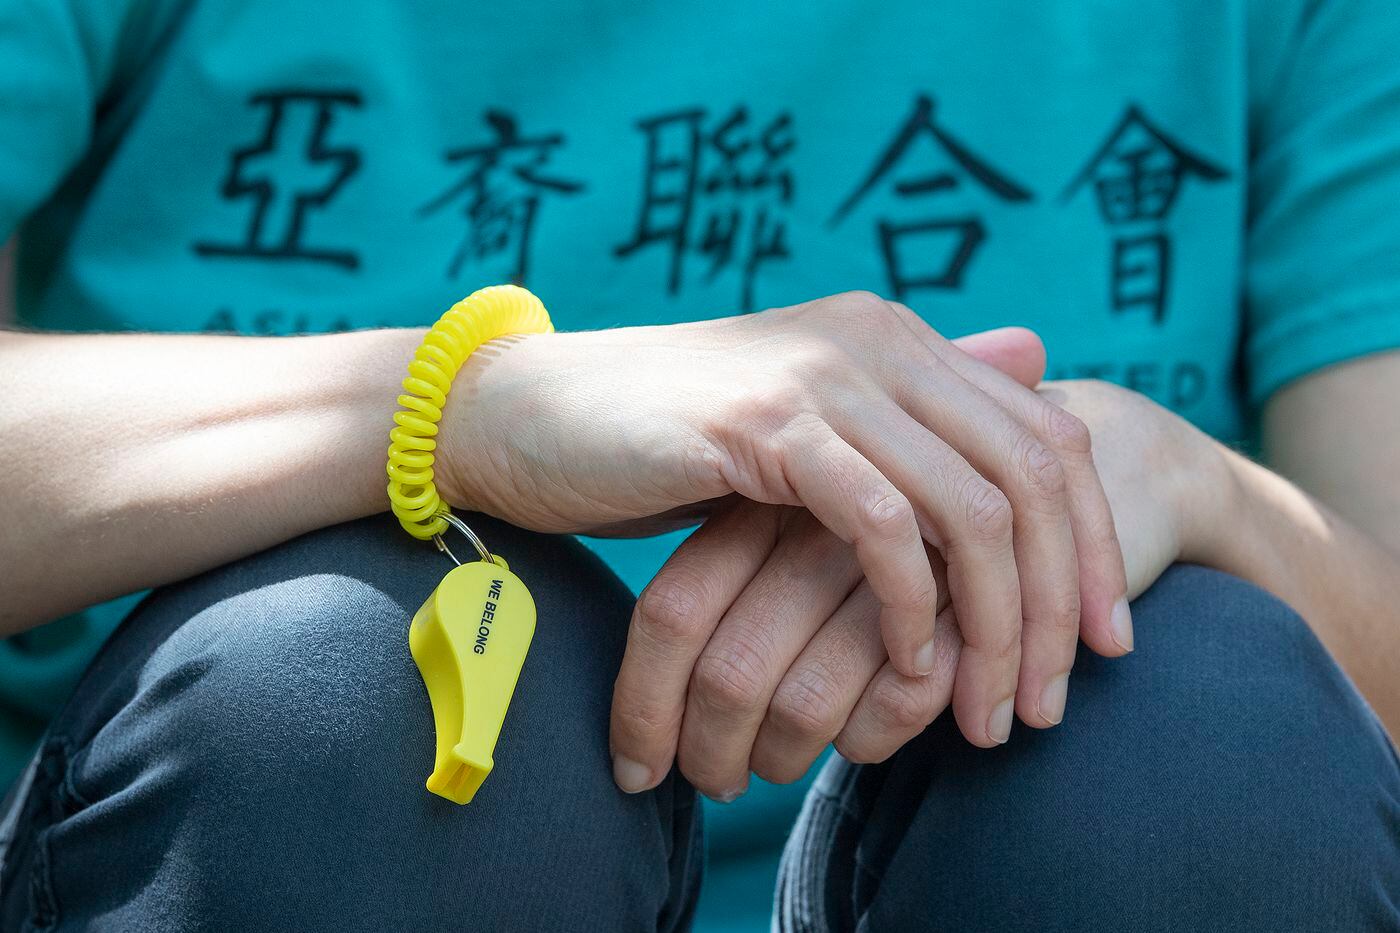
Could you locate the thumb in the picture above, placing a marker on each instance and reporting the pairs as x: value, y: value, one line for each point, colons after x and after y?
x: 1016, y: 351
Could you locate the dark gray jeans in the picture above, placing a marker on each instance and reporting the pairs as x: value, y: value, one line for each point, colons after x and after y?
x: 248, y: 753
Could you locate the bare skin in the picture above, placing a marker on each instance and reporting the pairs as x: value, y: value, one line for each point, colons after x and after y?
x: 849, y: 407
x: 1176, y: 494
x: 270, y: 438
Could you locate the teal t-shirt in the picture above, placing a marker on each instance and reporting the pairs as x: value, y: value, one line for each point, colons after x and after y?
x: 1194, y: 198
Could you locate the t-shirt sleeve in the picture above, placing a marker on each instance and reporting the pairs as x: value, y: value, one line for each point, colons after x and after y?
x: 59, y: 64
x: 1322, y: 276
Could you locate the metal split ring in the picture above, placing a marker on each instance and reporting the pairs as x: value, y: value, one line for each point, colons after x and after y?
x: 471, y: 536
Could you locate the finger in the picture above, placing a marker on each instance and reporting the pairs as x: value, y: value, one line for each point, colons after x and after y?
x: 1016, y: 351
x: 1105, y: 621
x: 970, y: 520
x: 851, y: 497
x: 894, y: 709
x: 817, y: 694
x: 673, y: 620
x: 1029, y: 474
x: 807, y: 576
x: 1025, y: 481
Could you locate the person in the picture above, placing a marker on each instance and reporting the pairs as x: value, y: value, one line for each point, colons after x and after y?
x: 907, y: 542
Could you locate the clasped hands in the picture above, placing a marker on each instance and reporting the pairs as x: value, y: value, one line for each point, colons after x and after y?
x: 895, y: 523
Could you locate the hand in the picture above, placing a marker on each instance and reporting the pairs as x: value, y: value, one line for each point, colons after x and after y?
x: 827, y: 679
x: 1021, y: 455
x: 850, y: 407
x: 795, y: 663
x: 1167, y: 482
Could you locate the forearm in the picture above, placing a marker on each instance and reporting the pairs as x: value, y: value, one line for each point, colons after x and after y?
x: 1339, y: 578
x: 135, y: 460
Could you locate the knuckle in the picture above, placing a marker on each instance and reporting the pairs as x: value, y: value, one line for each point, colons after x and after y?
x: 859, y: 315
x: 730, y: 678
x: 1062, y: 616
x: 640, y: 721
x: 818, y: 361
x: 1103, y: 530
x: 1096, y: 536
x: 887, y: 514
x: 670, y: 608
x: 767, y: 442
x: 997, y: 639
x: 900, y: 706
x: 767, y: 402
x: 921, y: 596
x: 988, y: 511
x: 1066, y: 432
x: 864, y: 303
x: 807, y: 705
x: 1041, y: 468
x: 1005, y: 642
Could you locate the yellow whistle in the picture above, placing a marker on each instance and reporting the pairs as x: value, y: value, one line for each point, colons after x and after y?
x: 469, y: 640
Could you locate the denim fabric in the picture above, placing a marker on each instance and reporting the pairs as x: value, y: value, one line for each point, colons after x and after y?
x: 1224, y: 776
x: 248, y: 753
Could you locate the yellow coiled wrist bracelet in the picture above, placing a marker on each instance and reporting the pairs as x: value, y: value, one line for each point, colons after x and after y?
x: 470, y: 638
x: 480, y: 317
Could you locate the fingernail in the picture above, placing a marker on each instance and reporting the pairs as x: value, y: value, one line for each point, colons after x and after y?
x: 1052, y: 700
x: 924, y: 660
x: 632, y: 776
x: 1121, y: 622
x: 730, y: 796
x: 999, y: 724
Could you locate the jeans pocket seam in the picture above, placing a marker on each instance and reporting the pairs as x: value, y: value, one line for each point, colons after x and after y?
x: 73, y: 799
x: 62, y: 800
x: 43, y: 905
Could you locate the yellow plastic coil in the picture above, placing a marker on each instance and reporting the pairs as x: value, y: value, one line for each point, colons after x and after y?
x: 482, y: 316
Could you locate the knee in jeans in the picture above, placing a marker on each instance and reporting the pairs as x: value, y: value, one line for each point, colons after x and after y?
x: 1226, y: 765
x: 1228, y: 693
x: 301, y: 653
x: 282, y: 725
x: 306, y: 680
x: 1198, y: 617
x: 1219, y: 658
x: 293, y: 668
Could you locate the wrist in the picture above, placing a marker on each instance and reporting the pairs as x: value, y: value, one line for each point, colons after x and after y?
x: 1220, y: 517
x: 490, y: 398
x: 361, y: 375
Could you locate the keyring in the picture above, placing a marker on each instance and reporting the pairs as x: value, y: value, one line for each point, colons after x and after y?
x: 471, y: 536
